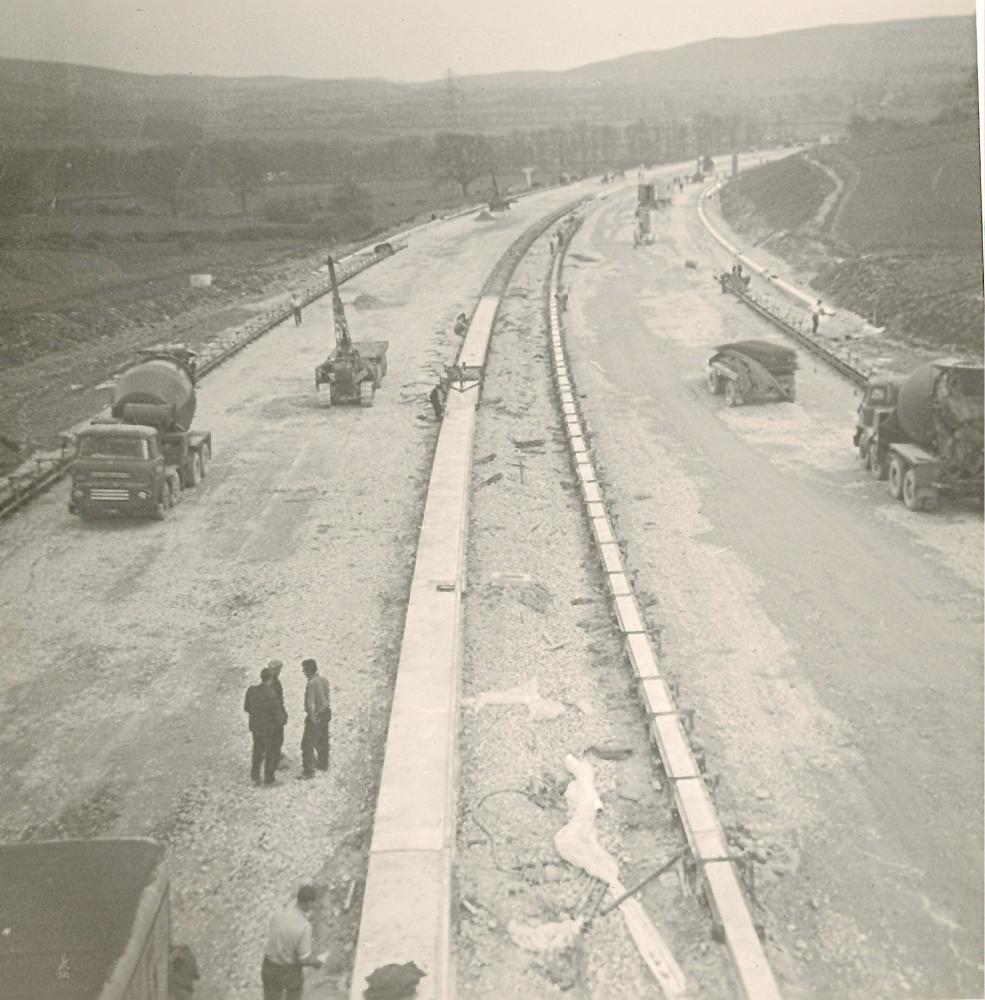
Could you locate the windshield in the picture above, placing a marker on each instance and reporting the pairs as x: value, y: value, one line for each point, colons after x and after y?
x: 94, y: 446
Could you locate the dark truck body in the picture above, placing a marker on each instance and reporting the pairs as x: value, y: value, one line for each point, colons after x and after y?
x: 137, y: 462
x: 926, y: 432
x: 84, y: 920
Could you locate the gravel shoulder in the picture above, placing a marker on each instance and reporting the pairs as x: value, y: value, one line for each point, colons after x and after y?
x: 537, y: 613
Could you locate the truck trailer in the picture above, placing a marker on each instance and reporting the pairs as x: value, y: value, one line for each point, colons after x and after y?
x: 137, y: 461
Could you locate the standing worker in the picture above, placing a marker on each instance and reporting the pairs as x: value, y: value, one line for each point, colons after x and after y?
x: 266, y: 718
x: 816, y: 317
x: 288, y: 948
x: 296, y: 308
x: 317, y: 715
x: 275, y: 667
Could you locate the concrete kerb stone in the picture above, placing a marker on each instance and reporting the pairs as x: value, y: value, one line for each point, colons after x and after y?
x: 691, y: 796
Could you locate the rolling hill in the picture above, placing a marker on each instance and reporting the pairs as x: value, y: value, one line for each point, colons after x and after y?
x: 810, y: 80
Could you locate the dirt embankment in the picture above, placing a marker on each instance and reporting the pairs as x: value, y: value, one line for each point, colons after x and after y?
x: 900, y: 243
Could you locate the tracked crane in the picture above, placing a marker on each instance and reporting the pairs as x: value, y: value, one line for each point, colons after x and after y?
x: 353, y: 371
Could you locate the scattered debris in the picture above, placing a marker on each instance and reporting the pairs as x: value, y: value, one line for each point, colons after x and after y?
x: 523, y: 694
x: 532, y: 443
x: 611, y: 751
x: 486, y: 459
x: 578, y: 844
x: 492, y: 479
x: 393, y: 982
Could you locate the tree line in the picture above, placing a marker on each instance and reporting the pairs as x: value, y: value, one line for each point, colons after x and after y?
x: 167, y: 170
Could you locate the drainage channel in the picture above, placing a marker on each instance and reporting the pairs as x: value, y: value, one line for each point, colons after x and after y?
x: 45, y: 469
x: 407, y: 898
x: 713, y: 861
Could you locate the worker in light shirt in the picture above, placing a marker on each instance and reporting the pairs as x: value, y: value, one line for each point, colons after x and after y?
x: 288, y: 948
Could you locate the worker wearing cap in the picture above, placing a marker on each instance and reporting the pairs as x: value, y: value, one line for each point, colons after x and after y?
x: 266, y: 718
x: 288, y: 948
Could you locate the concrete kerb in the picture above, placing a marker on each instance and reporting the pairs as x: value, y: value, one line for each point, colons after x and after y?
x: 406, y: 903
x: 706, y: 839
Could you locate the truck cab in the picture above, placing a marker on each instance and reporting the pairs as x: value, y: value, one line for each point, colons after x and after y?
x: 122, y: 469
x: 878, y: 403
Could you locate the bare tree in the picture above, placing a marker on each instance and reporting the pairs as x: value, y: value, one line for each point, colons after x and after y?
x: 460, y: 157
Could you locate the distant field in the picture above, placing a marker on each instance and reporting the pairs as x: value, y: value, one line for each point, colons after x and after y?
x: 914, y: 188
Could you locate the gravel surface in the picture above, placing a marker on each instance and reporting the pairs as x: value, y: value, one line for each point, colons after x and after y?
x: 536, y: 611
x: 128, y: 644
x: 829, y: 640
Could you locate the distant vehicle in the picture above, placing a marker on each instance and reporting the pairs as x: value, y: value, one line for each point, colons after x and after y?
x: 84, y: 920
x: 750, y: 369
x: 138, y: 462
x: 924, y: 433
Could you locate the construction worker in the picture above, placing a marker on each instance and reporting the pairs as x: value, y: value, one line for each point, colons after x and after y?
x: 461, y: 324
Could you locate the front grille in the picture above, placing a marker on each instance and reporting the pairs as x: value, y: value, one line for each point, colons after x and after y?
x: 109, y: 494
x: 110, y: 475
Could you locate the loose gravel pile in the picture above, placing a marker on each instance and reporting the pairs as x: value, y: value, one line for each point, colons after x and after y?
x: 537, y: 612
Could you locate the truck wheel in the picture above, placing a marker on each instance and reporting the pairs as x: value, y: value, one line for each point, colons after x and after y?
x: 714, y: 385
x: 206, y: 454
x: 878, y: 463
x: 897, y: 473
x: 911, y: 498
x: 167, y: 502
x: 366, y: 392
x: 196, y: 473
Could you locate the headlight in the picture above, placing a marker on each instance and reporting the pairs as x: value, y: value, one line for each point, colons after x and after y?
x: 78, y: 494
x: 143, y: 495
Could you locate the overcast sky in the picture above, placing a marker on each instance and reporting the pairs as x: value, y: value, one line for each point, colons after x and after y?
x: 401, y: 39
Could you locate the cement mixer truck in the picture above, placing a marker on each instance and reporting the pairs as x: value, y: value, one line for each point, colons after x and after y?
x: 924, y: 433
x: 137, y: 461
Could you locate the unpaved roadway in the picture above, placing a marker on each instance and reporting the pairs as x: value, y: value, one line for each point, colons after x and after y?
x: 127, y: 646
x: 830, y: 640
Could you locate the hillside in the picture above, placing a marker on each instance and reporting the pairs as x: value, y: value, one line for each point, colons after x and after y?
x: 806, y: 82
x: 890, y: 225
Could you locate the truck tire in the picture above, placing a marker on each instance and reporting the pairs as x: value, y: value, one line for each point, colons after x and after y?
x: 714, y: 384
x: 897, y: 473
x: 195, y: 477
x: 366, y: 392
x: 732, y: 395
x: 167, y: 502
x: 912, y: 499
x: 878, y: 463
x: 206, y: 453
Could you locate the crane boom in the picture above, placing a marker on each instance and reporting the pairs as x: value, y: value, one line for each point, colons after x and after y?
x: 342, y: 338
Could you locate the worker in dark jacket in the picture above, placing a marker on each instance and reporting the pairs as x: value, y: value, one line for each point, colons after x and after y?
x: 317, y: 714
x: 275, y: 667
x: 267, y: 718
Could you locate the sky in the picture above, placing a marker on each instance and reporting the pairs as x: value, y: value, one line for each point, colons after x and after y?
x: 402, y: 40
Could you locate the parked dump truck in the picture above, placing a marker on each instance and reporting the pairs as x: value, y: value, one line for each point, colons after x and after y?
x: 139, y: 460
x: 84, y: 920
x: 354, y: 370
x: 749, y: 369
x: 927, y: 432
